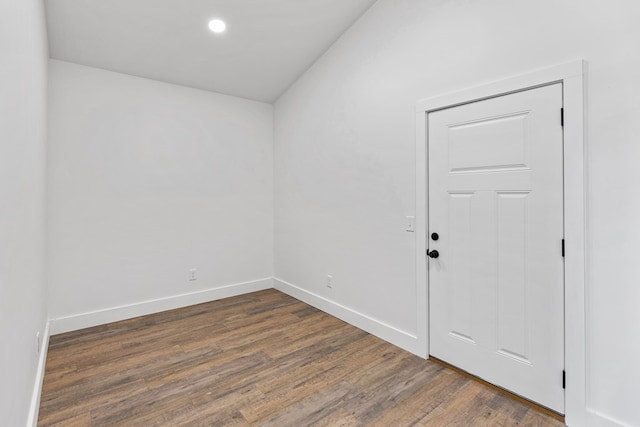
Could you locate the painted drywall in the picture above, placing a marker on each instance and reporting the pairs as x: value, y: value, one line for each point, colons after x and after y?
x: 23, y: 81
x: 344, y: 158
x: 147, y: 180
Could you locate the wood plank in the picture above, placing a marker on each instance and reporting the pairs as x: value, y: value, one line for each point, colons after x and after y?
x: 502, y: 391
x: 257, y: 359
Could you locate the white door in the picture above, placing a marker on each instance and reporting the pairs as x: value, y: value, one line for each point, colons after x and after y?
x: 496, y: 290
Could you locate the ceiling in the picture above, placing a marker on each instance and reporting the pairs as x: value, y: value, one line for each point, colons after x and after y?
x: 267, y: 46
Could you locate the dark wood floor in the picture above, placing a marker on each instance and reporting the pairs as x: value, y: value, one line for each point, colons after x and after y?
x: 258, y: 359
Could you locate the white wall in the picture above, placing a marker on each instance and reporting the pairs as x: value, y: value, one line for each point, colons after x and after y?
x: 147, y: 180
x: 23, y: 80
x: 344, y: 157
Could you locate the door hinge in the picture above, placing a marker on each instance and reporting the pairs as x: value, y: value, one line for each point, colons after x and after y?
x: 562, y: 117
x: 563, y: 247
x: 564, y: 379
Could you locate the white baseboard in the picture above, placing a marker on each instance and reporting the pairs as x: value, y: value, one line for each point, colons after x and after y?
x: 596, y: 419
x: 115, y: 314
x: 34, y: 407
x: 375, y: 327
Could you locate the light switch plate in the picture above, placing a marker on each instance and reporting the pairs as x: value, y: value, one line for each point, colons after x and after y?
x: 410, y: 224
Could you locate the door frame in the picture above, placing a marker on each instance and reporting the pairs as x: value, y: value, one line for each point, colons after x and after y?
x: 571, y: 75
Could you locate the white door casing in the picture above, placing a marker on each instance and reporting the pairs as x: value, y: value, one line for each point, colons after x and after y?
x: 496, y: 201
x: 572, y: 75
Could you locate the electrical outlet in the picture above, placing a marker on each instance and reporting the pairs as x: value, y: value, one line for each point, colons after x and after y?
x: 193, y: 275
x: 38, y: 342
x: 329, y: 281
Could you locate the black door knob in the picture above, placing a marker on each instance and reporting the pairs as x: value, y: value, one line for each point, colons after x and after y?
x: 435, y: 236
x: 433, y: 254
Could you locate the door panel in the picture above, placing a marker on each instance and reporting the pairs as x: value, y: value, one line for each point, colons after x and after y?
x: 492, y: 144
x: 496, y: 293
x: 512, y: 275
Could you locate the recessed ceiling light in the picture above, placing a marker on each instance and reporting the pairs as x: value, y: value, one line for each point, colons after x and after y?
x: 217, y: 26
